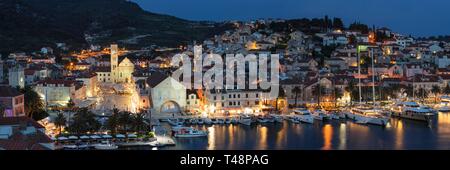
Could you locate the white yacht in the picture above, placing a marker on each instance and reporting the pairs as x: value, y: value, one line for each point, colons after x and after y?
x: 245, y: 119
x: 370, y: 116
x: 303, y: 115
x: 320, y: 115
x: 277, y: 118
x: 414, y: 111
x: 106, y: 145
x: 444, y: 106
x: 175, y: 122
x: 188, y: 132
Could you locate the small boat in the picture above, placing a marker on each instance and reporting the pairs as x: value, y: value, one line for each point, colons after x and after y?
x: 193, y: 121
x: 234, y: 120
x: 106, y: 145
x: 245, y: 120
x: 208, y: 121
x: 262, y: 120
x: 271, y: 119
x: 174, y: 122
x: 277, y: 118
x: 189, y: 132
x: 334, y: 116
x: 227, y: 121
x: 214, y: 121
x: 70, y: 147
x: 220, y: 121
x: 444, y: 106
x: 200, y: 121
x: 302, y: 115
x: 321, y: 115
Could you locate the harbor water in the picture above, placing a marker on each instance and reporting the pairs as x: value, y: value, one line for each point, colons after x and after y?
x: 400, y: 134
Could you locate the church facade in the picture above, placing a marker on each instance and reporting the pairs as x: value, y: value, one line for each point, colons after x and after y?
x: 119, y: 72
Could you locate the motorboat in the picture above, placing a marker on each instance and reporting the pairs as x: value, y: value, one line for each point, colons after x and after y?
x: 414, y: 111
x: 106, y: 145
x: 277, y: 118
x: 175, y: 122
x: 208, y: 121
x: 262, y: 119
x: 189, y: 132
x: 227, y: 120
x: 320, y: 115
x: 200, y: 121
x: 444, y: 106
x: 214, y: 121
x: 234, y: 120
x: 370, y: 116
x: 302, y: 115
x: 245, y: 120
x: 220, y: 121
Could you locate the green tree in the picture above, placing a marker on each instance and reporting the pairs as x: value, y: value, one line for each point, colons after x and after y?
x: 124, y: 120
x: 318, y: 91
x: 84, y: 121
x: 296, y: 90
x: 113, y: 121
x: 60, y: 121
x: 138, y: 123
x: 70, y: 105
x: 34, y: 106
x: 281, y: 94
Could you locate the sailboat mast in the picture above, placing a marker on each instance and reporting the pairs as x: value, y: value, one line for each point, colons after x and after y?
x: 359, y: 75
x: 373, y: 77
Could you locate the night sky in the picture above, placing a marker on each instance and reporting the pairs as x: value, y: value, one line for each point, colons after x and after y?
x: 415, y: 17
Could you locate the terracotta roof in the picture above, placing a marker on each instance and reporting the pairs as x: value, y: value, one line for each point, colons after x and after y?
x: 19, y: 120
x: 155, y: 79
x: 103, y: 69
x: 8, y: 91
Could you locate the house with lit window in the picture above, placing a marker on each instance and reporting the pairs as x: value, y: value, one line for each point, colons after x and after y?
x: 12, y: 102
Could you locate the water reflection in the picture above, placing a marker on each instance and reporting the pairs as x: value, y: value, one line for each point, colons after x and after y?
x: 400, y: 134
x: 342, y: 136
x: 327, y: 136
x: 211, y: 138
x: 262, y: 131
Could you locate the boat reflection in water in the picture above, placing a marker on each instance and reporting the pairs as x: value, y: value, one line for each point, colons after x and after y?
x: 398, y: 134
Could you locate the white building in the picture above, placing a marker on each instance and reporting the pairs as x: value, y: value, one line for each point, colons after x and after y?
x: 16, y: 77
x: 442, y: 61
x: 167, y: 94
x: 119, y: 72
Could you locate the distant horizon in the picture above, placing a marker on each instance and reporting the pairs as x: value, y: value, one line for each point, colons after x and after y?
x: 400, y: 16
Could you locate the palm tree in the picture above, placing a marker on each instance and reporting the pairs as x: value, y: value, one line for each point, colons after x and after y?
x: 138, y: 123
x: 124, y: 120
x: 60, y: 121
x: 113, y: 122
x: 296, y: 90
x: 34, y: 107
x: 281, y: 94
x: 351, y: 89
x: 84, y: 121
x: 435, y: 90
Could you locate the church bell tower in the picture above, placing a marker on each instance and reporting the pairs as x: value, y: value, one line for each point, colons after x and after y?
x: 114, y: 61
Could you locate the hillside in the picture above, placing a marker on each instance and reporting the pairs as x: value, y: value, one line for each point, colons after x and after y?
x: 28, y: 25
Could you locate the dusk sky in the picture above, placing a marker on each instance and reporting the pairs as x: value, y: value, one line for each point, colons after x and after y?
x: 415, y: 17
